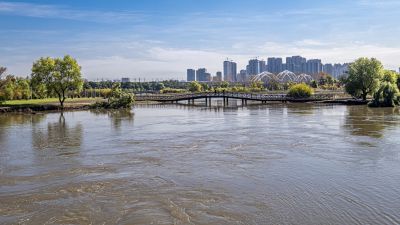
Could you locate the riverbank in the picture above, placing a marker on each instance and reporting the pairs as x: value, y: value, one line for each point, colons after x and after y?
x: 50, y: 104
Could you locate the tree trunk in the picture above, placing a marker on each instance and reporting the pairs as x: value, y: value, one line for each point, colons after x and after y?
x: 61, y: 99
x: 364, y: 96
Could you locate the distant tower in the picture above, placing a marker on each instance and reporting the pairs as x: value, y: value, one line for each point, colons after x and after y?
x: 191, y: 75
x: 230, y: 69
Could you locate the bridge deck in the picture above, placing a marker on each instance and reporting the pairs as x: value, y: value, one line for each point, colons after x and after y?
x: 244, y: 96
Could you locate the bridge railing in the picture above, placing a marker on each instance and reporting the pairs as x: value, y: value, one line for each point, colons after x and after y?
x: 238, y: 95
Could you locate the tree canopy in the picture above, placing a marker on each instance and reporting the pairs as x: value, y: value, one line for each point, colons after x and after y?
x: 195, y: 86
x: 59, y: 75
x: 387, y: 94
x: 363, y: 78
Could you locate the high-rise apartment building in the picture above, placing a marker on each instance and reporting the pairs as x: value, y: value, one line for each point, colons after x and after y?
x: 191, y: 75
x: 218, y: 76
x: 328, y: 68
x: 242, y: 76
x: 295, y: 64
x: 314, y: 66
x: 201, y: 74
x: 275, y: 65
x: 230, y: 69
x: 340, y: 69
x: 254, y: 67
x: 263, y: 66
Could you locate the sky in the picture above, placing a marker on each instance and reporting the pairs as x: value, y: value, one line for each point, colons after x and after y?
x: 160, y: 39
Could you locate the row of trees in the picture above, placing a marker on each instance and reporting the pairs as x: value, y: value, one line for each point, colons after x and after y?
x: 13, y: 88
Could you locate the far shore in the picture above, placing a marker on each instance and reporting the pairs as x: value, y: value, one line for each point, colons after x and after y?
x: 52, y: 105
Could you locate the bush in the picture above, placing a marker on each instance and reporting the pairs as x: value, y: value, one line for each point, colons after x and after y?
x: 300, y: 91
x: 117, y: 100
x: 386, y: 96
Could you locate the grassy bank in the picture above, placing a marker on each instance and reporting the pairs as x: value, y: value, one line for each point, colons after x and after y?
x: 48, y: 104
x: 50, y: 101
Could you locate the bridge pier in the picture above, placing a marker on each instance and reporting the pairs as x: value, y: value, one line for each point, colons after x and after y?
x: 226, y: 101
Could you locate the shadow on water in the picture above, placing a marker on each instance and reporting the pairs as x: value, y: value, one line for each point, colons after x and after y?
x: 365, y: 121
x: 117, y: 117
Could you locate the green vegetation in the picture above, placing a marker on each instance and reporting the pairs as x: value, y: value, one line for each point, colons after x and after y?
x: 13, y: 88
x: 47, y: 101
x: 386, y: 96
x: 388, y: 93
x: 300, y: 91
x: 173, y: 90
x: 118, y: 99
x: 363, y: 77
x: 195, y: 86
x: 58, y: 76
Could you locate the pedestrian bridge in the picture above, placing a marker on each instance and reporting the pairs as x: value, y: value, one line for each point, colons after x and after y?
x: 231, y: 95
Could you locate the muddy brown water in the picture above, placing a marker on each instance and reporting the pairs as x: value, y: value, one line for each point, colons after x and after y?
x: 168, y: 164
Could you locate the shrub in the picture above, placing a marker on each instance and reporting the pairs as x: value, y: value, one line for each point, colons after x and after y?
x: 117, y: 100
x: 300, y: 91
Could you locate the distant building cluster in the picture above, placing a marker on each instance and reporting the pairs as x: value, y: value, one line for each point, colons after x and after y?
x: 294, y: 65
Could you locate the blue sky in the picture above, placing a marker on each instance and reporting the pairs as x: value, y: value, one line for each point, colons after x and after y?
x: 160, y: 39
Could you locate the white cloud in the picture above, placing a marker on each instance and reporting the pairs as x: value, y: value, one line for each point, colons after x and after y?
x: 165, y: 63
x: 379, y: 3
x: 52, y: 11
x: 161, y: 63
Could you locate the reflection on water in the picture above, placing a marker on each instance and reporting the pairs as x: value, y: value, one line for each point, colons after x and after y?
x: 58, y: 135
x: 177, y: 164
x: 17, y: 119
x: 370, y: 121
x: 116, y: 116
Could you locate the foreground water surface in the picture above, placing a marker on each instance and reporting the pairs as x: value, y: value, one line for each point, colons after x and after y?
x: 166, y: 164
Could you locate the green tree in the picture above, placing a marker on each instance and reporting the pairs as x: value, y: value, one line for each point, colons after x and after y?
x: 224, y: 84
x: 386, y: 96
x: 388, y: 93
x: 23, y: 87
x: 398, y: 80
x: 2, y: 83
x: 9, y: 87
x: 389, y: 76
x: 60, y: 75
x: 39, y: 90
x: 195, y: 86
x: 363, y: 78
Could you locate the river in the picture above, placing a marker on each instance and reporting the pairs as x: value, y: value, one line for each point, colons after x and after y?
x: 172, y: 164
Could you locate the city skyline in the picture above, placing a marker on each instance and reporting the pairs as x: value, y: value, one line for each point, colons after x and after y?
x: 160, y: 39
x: 296, y: 64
